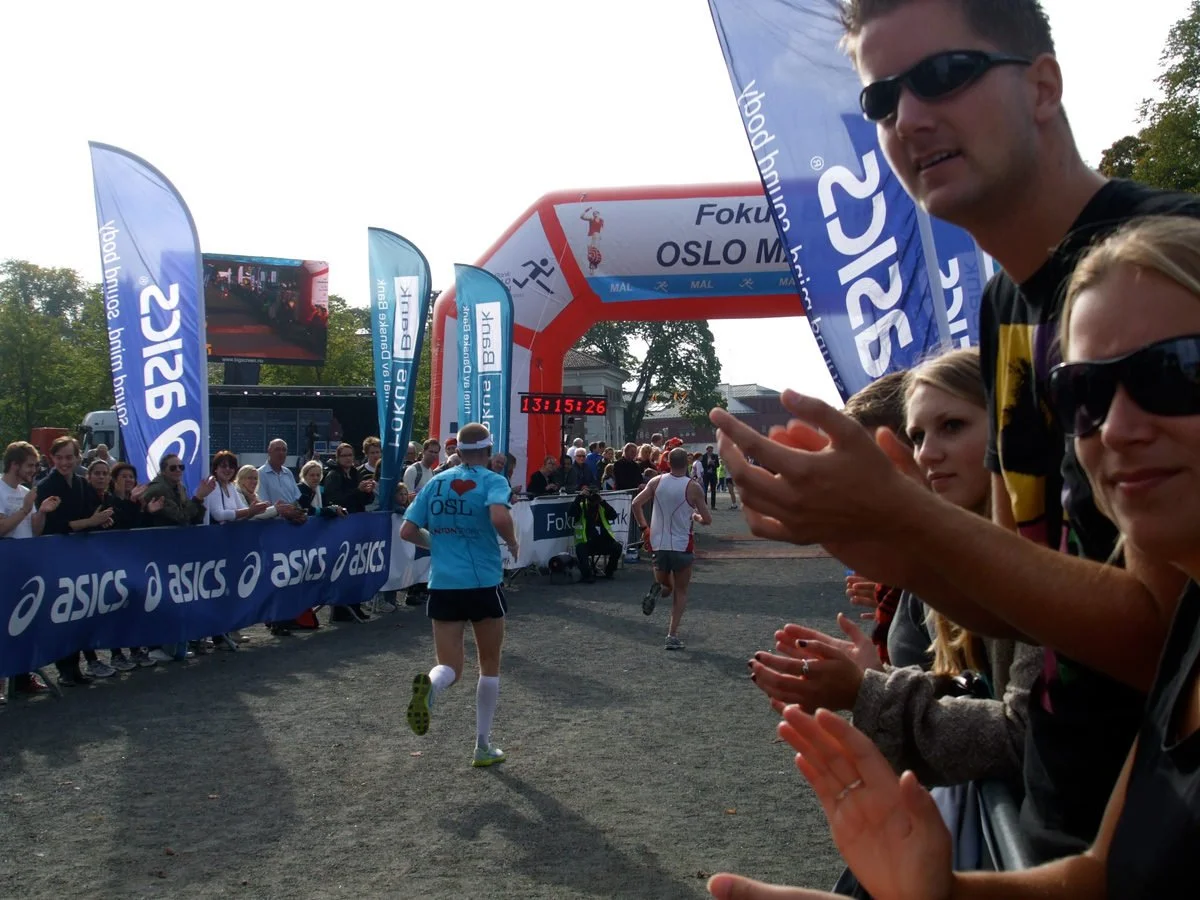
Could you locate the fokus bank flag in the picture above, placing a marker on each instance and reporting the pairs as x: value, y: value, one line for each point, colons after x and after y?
x: 485, y: 326
x: 154, y: 307
x: 400, y: 290
x: 882, y: 283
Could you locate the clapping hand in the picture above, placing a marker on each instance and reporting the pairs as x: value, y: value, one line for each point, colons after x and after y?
x: 800, y: 642
x: 823, y: 479
x: 815, y: 671
x: 888, y: 829
x: 861, y: 592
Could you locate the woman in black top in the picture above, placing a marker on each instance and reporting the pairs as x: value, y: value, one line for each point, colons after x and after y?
x: 1129, y: 395
x: 345, y: 485
x: 312, y: 493
x: 78, y: 510
x: 127, y: 512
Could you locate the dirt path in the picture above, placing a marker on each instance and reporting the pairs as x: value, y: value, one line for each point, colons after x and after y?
x: 286, y: 769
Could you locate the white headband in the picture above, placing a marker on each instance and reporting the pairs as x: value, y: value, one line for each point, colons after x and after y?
x: 478, y: 445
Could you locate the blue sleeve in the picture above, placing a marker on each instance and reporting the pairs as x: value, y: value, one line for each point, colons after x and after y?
x: 499, y: 491
x: 266, y: 486
x: 418, y: 510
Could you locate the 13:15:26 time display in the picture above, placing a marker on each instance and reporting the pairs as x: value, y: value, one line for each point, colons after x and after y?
x: 564, y: 404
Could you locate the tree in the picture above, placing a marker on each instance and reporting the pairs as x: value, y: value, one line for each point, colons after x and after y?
x: 1121, y: 159
x: 680, y: 363
x: 348, y: 359
x: 1166, y: 152
x: 54, y: 361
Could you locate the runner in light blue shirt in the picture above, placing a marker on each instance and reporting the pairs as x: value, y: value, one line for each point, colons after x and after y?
x: 455, y: 506
x: 461, y: 515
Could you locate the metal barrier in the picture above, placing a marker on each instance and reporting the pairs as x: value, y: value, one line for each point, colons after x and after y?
x: 1005, y: 846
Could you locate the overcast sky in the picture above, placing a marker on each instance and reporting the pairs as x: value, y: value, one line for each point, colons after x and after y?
x: 291, y: 127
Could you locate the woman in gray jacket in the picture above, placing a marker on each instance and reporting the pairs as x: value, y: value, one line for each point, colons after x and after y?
x: 177, y: 508
x: 928, y: 711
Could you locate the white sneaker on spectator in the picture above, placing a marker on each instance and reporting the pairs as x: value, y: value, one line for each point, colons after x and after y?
x: 121, y: 662
x: 160, y: 655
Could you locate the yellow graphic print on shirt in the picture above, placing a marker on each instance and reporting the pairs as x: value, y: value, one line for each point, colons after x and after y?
x: 1027, y: 442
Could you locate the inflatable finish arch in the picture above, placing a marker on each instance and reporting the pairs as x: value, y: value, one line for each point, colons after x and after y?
x: 575, y: 258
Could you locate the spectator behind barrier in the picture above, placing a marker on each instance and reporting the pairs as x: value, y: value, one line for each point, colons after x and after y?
x: 879, y: 405
x: 416, y: 475
x: 125, y: 496
x: 943, y: 725
x: 372, y: 449
x: 400, y: 498
x: 1128, y: 397
x: 247, y: 485
x: 226, y: 503
x: 21, y: 517
x: 627, y: 473
x: 277, y: 485
x: 579, y: 474
x: 177, y: 508
x: 542, y: 481
x: 312, y: 493
x: 345, y: 486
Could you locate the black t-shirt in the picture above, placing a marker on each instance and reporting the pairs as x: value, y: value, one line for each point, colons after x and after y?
x: 1081, y: 724
x: 79, y: 501
x: 341, y: 489
x: 1159, y: 828
x: 627, y: 474
x: 538, y: 484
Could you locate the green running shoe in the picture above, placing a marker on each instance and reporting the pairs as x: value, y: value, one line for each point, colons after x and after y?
x: 488, y: 756
x: 421, y: 705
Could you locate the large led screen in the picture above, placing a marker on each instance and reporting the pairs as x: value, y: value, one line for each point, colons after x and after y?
x: 263, y: 309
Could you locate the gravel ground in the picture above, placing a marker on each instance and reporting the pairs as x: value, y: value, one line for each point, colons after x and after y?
x: 287, y: 770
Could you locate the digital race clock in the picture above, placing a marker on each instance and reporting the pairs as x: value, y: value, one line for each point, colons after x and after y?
x: 564, y: 404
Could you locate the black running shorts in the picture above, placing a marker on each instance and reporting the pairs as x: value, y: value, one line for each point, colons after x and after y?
x: 466, y: 605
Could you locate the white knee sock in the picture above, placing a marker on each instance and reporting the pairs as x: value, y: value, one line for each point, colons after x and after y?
x: 487, y: 695
x: 442, y: 677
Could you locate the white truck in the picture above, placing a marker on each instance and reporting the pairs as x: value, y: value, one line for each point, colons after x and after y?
x: 100, y: 427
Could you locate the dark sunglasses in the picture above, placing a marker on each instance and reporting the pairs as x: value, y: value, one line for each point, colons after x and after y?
x: 178, y: 467
x: 933, y: 78
x: 1163, y: 379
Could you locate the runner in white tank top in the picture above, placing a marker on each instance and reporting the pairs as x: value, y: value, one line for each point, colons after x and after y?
x: 671, y: 521
x: 678, y: 503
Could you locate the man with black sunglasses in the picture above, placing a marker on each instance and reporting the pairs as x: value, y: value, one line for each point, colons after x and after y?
x: 966, y: 95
